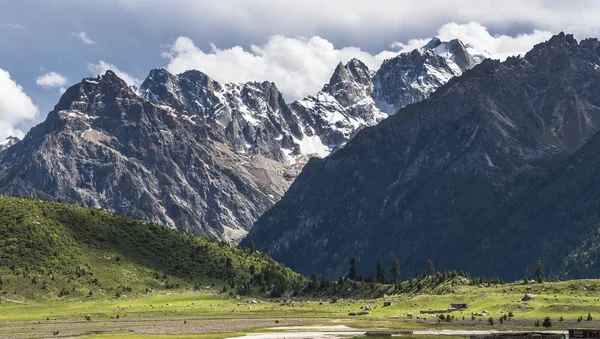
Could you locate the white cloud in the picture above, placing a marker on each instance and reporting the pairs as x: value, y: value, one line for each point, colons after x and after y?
x: 478, y: 37
x: 62, y: 90
x: 103, y: 66
x: 51, y: 80
x: 15, y: 107
x: 14, y: 26
x: 300, y: 66
x: 84, y: 38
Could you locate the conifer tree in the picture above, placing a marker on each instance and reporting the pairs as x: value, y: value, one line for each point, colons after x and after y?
x: 380, y: 273
x: 539, y: 272
x: 395, y: 271
x: 352, y: 273
x: 430, y: 270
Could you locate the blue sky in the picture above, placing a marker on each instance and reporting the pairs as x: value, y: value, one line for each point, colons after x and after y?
x: 294, y: 43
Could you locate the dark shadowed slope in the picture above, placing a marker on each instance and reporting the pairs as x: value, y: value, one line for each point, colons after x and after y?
x: 471, y: 178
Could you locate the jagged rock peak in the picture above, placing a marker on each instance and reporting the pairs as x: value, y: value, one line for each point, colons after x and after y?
x: 560, y: 46
x: 354, y: 70
x: 8, y: 142
x: 433, y: 43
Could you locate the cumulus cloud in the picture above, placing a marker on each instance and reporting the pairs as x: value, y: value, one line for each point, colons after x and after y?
x: 103, y: 66
x: 477, y: 36
x: 298, y: 66
x: 15, y: 107
x: 51, y: 80
x: 301, y: 66
x: 84, y: 38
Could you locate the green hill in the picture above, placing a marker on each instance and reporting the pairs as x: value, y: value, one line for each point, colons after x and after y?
x: 51, y: 250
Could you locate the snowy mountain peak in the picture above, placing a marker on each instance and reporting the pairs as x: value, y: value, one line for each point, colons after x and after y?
x: 350, y: 83
x: 433, y: 43
x: 412, y: 76
x: 8, y: 142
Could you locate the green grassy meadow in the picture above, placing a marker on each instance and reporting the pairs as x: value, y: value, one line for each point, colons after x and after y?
x: 178, y: 308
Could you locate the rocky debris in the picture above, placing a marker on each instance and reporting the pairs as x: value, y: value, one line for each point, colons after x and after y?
x: 528, y: 297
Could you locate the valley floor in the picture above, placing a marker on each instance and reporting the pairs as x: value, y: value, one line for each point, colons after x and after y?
x: 189, y: 314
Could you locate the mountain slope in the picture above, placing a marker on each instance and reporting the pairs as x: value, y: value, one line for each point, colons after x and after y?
x: 105, y: 146
x: 445, y: 178
x: 189, y: 152
x: 46, y: 248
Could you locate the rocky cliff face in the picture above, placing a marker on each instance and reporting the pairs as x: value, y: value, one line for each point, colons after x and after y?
x: 187, y: 151
x: 473, y: 177
x: 106, y: 146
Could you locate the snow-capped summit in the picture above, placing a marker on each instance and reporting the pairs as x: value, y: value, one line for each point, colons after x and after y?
x: 411, y: 77
x: 6, y: 143
x: 357, y: 97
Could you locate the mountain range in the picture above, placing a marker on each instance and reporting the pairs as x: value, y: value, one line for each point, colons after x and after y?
x: 204, y: 157
x: 494, y: 171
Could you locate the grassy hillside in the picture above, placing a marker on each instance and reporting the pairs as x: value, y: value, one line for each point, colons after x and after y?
x: 51, y: 250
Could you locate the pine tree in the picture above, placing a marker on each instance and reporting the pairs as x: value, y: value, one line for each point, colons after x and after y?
x: 380, y: 273
x: 314, y: 281
x: 539, y: 272
x: 395, y: 271
x: 352, y: 273
x: 430, y: 270
x: 547, y: 322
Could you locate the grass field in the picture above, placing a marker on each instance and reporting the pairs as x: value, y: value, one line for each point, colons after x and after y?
x: 178, y: 313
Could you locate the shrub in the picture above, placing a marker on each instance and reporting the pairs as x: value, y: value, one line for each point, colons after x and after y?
x: 547, y: 322
x: 63, y: 291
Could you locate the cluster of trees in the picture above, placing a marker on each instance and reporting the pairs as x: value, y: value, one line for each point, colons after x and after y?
x: 381, y: 275
x: 430, y: 272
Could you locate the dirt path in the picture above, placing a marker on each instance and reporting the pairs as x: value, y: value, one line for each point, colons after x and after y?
x: 12, y: 301
x: 339, y: 332
x: 302, y: 335
x: 471, y: 332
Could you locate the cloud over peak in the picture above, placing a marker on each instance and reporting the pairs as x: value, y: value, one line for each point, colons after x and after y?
x: 101, y: 67
x: 301, y: 66
x: 51, y: 79
x: 15, y: 107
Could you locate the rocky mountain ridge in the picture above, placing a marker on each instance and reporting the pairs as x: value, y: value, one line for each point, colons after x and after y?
x: 189, y: 152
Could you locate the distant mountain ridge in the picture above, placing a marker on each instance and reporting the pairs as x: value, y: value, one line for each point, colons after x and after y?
x: 489, y: 174
x: 208, y: 158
